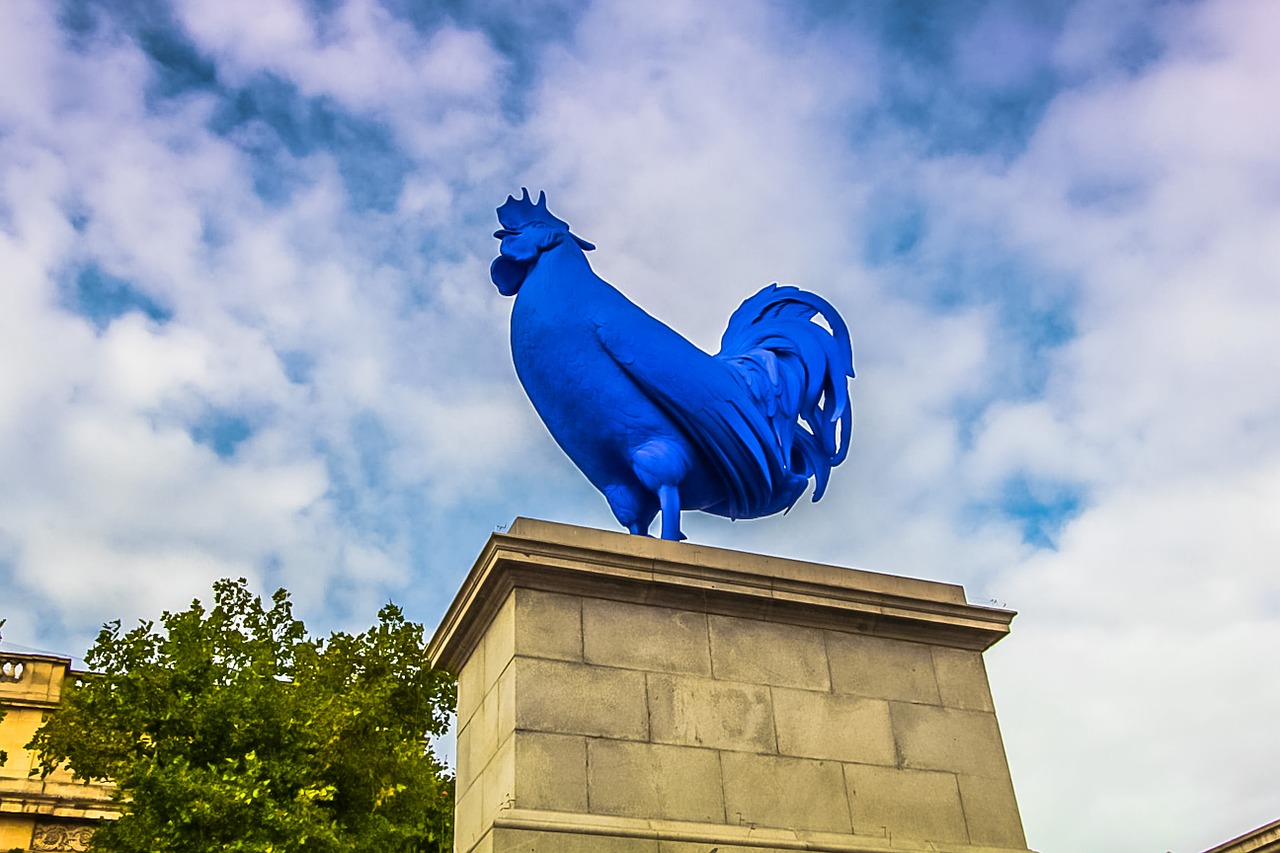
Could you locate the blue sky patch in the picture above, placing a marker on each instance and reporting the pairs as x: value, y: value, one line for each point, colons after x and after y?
x: 1042, y: 508
x: 100, y: 297
x: 895, y: 230
x: 222, y: 432
x: 176, y: 64
x: 277, y: 126
x: 298, y: 365
x: 970, y: 77
x: 360, y: 482
x: 521, y: 30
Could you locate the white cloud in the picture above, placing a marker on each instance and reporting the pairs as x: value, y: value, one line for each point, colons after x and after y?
x: 99, y: 466
x: 440, y: 90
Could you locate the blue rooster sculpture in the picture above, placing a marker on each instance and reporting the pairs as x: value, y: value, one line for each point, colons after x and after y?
x: 655, y: 423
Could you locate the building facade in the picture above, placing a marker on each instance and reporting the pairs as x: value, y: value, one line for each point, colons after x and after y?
x: 1264, y: 839
x: 55, y: 813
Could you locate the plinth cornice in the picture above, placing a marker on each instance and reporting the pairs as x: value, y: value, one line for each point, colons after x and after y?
x: 580, y: 561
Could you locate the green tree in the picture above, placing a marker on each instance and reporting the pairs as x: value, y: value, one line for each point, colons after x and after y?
x: 231, y: 729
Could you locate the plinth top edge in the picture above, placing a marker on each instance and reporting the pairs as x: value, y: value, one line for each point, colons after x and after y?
x: 581, y: 561
x: 763, y: 565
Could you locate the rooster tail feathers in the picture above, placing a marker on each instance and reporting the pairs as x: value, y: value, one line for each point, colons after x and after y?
x: 797, y: 370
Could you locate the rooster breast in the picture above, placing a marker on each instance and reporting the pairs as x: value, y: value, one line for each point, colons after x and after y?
x: 593, y: 409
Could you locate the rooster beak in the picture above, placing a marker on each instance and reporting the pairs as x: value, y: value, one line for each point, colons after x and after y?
x: 504, y: 233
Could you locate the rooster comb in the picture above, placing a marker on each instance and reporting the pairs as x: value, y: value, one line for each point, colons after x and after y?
x: 519, y: 212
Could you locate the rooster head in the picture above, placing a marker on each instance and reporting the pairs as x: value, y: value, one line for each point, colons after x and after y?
x: 527, y: 231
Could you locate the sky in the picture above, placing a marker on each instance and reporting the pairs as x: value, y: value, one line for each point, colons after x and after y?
x: 247, y: 327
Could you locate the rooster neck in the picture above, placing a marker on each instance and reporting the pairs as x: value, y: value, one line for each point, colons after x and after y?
x: 561, y: 284
x: 564, y: 265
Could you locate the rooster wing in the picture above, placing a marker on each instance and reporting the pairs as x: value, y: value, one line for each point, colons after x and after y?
x: 740, y: 407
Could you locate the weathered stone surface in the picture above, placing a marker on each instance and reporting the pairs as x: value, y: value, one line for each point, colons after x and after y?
x: 498, y: 782
x: 533, y: 841
x: 551, y: 772
x: 833, y: 726
x: 703, y: 847
x: 654, y: 781
x: 793, y: 793
x: 656, y: 639
x: 471, y: 686
x: 930, y: 737
x: 962, y: 679
x: 991, y: 812
x: 482, y: 740
x: 880, y: 668
x: 702, y: 712
x: 905, y: 804
x: 548, y: 625
x: 465, y: 762
x: 505, y: 690
x: 468, y: 819
x: 768, y: 653
x: 593, y: 564
x: 562, y: 697
x: 484, y: 845
x: 500, y: 642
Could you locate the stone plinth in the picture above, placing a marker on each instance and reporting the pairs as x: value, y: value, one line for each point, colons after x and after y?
x: 618, y: 694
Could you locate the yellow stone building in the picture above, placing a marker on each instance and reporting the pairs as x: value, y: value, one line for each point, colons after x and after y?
x: 52, y: 814
x: 1264, y: 839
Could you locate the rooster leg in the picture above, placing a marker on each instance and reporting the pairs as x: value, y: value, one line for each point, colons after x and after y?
x: 669, y: 500
x: 660, y: 464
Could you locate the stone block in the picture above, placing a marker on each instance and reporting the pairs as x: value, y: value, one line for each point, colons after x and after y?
x: 792, y: 793
x: 919, y: 805
x: 471, y: 686
x: 693, y: 711
x: 475, y: 745
x: 465, y: 762
x: 534, y: 841
x: 482, y: 738
x: 881, y: 668
x: 548, y: 625
x: 654, y: 781
x: 468, y: 819
x: 484, y: 845
x: 15, y: 833
x: 498, y: 781
x: 570, y: 698
x: 506, y: 706
x: 962, y: 679
x: 635, y: 636
x: 705, y: 847
x: 551, y: 772
x: 931, y: 737
x: 833, y: 726
x: 500, y: 642
x: 768, y: 653
x: 991, y: 812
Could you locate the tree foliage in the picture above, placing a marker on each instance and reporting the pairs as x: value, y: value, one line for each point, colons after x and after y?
x: 230, y: 729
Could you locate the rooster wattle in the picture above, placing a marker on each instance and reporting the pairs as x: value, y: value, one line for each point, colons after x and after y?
x: 654, y: 422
